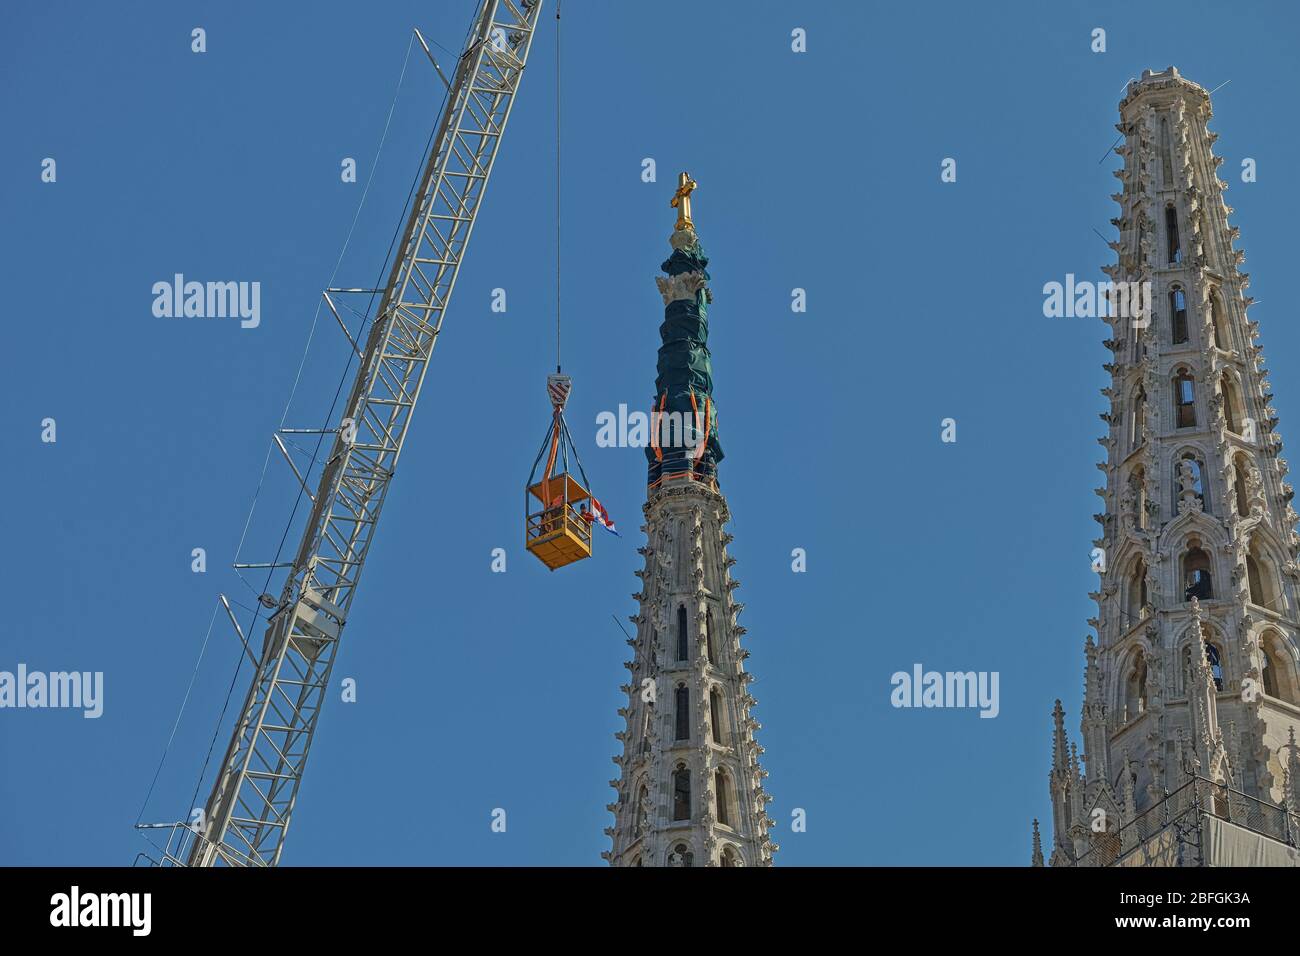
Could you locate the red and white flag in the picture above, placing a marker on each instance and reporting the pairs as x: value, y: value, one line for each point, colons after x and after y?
x: 598, y: 511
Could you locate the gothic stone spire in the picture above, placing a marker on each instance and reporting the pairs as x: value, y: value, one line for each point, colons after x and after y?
x: 690, y: 787
x: 1197, y: 622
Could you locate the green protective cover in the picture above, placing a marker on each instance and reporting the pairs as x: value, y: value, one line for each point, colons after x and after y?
x: 684, y: 366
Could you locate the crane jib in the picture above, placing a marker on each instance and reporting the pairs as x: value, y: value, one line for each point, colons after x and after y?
x: 247, y: 815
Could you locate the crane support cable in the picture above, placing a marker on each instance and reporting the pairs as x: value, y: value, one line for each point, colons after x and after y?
x: 558, y: 367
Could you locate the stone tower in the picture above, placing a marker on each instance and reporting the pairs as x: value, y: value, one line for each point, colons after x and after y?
x: 690, y: 788
x: 1191, y: 688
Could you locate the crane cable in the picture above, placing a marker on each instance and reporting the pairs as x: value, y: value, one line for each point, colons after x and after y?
x: 556, y: 424
x: 558, y: 4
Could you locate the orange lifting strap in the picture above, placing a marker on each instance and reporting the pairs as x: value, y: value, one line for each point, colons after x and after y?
x: 695, y: 411
x: 550, y: 460
x: 656, y: 415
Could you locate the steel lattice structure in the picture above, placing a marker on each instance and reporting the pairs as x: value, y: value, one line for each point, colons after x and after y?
x: 247, y: 816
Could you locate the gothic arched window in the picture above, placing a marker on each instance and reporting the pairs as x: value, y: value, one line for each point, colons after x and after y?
x: 683, y: 646
x: 715, y: 714
x: 1218, y: 322
x: 641, y: 813
x: 722, y: 798
x: 1212, y: 659
x: 1252, y: 576
x: 1184, y: 400
x: 1196, y: 574
x: 710, y: 640
x: 1277, y: 672
x: 1261, y: 579
x: 1239, y: 483
x: 682, y: 703
x: 729, y: 857
x: 1136, y: 431
x: 1197, y: 486
x: 1171, y: 234
x: 1137, y: 484
x: 1178, y: 314
x: 1135, y: 688
x: 681, y: 793
x: 1137, y: 592
x: 1231, y: 404
x: 1269, y: 673
x: 1216, y: 666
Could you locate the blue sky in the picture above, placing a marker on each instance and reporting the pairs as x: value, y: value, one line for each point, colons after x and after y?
x: 478, y: 690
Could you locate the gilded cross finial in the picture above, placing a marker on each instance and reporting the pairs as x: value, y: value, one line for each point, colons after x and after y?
x: 681, y: 201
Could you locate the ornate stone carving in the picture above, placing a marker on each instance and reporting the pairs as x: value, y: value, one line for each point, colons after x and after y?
x: 1196, y: 717
x: 684, y: 286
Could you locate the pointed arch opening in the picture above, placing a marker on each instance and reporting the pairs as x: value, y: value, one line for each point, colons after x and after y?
x: 1232, y: 410
x: 1189, y: 482
x: 1278, y: 668
x: 1241, y: 485
x: 716, y: 716
x: 1171, y: 234
x: 1215, y: 660
x: 1178, y: 315
x: 1197, y: 579
x: 1135, y: 688
x: 1184, y: 399
x: 1137, y: 592
x: 710, y: 639
x: 1137, y: 419
x: 682, y: 711
x: 1218, y: 321
x: 1269, y: 673
x: 1212, y: 658
x: 1261, y: 577
x: 1137, y: 497
x: 681, y: 793
x: 683, y: 642
x: 641, y: 812
x: 722, y: 797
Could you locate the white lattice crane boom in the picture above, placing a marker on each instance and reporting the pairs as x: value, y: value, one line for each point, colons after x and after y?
x: 247, y: 815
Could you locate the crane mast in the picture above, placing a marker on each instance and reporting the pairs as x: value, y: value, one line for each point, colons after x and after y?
x: 247, y: 815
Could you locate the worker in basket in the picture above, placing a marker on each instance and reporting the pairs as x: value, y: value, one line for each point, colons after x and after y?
x: 554, y: 518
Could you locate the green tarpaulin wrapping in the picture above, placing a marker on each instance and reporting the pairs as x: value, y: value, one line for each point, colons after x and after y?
x: 683, y: 372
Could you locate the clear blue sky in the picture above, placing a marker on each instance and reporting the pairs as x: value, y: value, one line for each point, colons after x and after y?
x: 480, y: 690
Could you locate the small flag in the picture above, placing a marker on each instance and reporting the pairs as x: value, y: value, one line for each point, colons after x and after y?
x: 601, y: 515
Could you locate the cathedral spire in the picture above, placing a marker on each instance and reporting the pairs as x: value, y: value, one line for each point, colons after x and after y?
x: 683, y: 414
x: 690, y: 787
x: 1197, y: 621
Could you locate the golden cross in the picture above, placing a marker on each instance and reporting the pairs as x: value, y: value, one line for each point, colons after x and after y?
x: 681, y: 201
